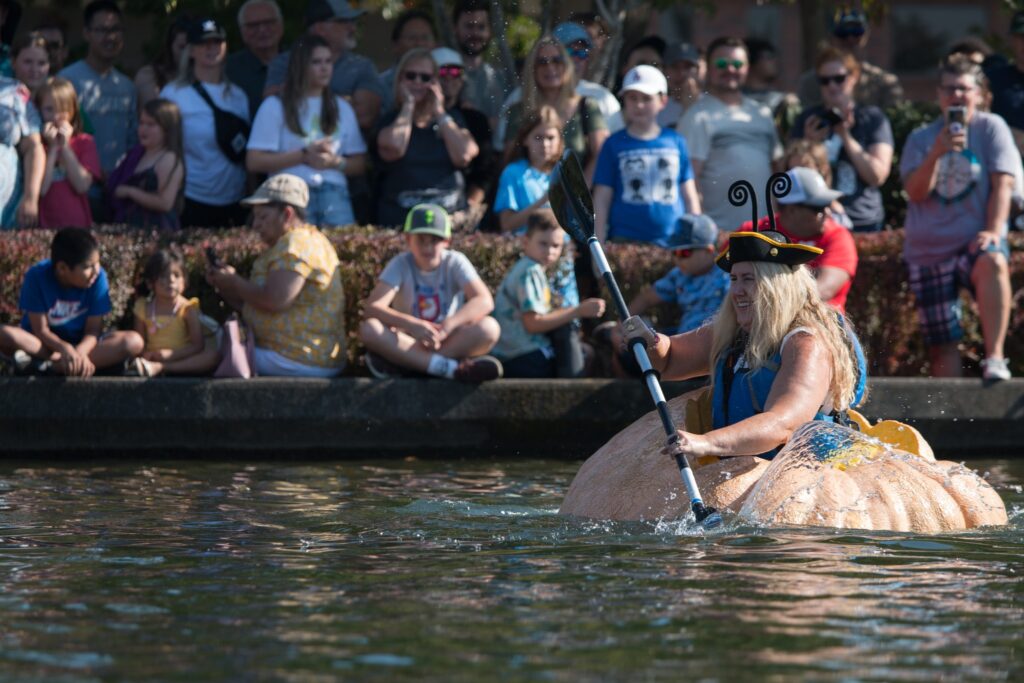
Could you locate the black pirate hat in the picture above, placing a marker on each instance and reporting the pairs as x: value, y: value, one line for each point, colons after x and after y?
x: 767, y: 246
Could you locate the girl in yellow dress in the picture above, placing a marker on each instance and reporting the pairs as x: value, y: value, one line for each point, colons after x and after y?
x: 170, y: 323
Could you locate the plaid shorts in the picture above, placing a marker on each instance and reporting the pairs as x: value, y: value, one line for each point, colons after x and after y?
x: 937, y: 290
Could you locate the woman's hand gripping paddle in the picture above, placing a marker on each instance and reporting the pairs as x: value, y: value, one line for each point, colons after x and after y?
x: 571, y: 201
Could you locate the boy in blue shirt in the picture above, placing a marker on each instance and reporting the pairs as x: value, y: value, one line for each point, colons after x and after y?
x: 694, y: 284
x: 533, y: 332
x: 64, y: 299
x: 643, y: 181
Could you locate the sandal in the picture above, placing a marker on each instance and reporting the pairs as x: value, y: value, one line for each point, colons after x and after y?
x: 137, y: 367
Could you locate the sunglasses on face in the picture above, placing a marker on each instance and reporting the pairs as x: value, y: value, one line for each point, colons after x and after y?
x: 544, y: 61
x: 838, y: 79
x: 411, y: 76
x: 449, y: 71
x: 683, y: 253
x: 579, y: 52
x: 726, y: 63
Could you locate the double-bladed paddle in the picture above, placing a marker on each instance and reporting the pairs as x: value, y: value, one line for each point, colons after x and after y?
x: 574, y: 208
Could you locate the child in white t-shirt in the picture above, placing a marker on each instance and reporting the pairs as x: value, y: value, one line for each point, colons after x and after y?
x: 312, y: 133
x: 430, y: 311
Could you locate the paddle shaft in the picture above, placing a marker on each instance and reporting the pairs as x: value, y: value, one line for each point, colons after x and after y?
x: 650, y: 378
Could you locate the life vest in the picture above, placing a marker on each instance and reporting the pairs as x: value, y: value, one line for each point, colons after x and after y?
x: 740, y: 393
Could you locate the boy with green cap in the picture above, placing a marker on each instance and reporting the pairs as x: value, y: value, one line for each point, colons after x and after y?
x: 430, y: 311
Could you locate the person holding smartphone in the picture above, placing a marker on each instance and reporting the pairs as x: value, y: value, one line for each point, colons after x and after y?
x: 958, y: 172
x: 422, y: 148
x: 858, y: 139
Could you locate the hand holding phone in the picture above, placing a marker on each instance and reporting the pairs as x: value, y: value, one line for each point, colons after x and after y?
x: 956, y: 118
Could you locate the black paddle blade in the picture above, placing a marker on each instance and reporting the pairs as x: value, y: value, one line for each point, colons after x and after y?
x: 570, y: 198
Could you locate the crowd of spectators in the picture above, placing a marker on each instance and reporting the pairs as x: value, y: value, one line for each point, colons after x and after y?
x: 196, y: 130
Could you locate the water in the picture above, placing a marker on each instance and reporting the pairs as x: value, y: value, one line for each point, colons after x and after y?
x: 186, y: 571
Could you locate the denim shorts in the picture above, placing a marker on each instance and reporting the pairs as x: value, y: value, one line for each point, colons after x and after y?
x: 937, y: 290
x: 329, y: 205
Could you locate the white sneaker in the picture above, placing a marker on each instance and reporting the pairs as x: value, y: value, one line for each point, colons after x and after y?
x: 995, y: 369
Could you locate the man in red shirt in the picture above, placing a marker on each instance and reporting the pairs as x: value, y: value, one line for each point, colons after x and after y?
x: 804, y: 218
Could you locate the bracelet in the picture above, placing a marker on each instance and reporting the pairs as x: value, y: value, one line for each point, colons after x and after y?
x: 443, y: 119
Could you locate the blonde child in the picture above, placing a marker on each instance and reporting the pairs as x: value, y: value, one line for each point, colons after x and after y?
x: 145, y: 190
x: 170, y: 323
x: 530, y: 323
x: 72, y: 161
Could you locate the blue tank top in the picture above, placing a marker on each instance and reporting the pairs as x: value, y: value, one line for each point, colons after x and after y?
x: 742, y: 393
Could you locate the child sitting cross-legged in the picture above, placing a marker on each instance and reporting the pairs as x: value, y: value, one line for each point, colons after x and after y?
x: 524, y: 309
x: 430, y: 311
x: 176, y: 340
x: 695, y: 284
x: 64, y: 299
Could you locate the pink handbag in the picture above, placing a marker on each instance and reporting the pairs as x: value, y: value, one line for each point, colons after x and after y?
x: 237, y: 350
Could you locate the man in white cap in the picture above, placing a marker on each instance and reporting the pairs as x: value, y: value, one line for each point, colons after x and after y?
x: 804, y: 217
x: 643, y: 181
x: 451, y: 74
x: 293, y: 300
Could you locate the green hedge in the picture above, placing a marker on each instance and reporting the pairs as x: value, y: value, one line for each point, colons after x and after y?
x: 880, y: 304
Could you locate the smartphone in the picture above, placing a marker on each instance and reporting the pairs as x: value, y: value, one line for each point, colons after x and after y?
x: 956, y: 117
x: 212, y: 258
x: 832, y: 117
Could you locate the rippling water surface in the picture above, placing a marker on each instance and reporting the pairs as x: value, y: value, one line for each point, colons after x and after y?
x: 462, y: 571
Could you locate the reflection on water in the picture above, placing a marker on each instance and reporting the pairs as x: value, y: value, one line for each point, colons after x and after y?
x: 458, y: 570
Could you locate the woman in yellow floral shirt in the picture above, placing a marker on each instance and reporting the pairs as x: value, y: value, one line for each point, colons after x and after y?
x: 293, y: 301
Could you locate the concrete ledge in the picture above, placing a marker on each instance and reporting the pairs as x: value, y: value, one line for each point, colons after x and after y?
x: 269, y: 417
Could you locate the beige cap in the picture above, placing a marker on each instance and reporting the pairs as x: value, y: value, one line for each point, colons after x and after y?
x: 283, y: 188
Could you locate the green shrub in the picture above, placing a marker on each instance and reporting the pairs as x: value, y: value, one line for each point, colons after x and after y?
x: 880, y: 304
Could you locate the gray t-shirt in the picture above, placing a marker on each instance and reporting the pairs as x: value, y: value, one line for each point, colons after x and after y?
x: 433, y: 295
x: 109, y: 100
x: 863, y: 203
x: 944, y: 224
x: 733, y: 142
x: 351, y: 72
x: 485, y: 90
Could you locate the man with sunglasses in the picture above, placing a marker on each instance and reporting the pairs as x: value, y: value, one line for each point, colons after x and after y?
x: 804, y: 218
x: 958, y: 173
x: 729, y: 135
x: 354, y: 77
x: 876, y: 87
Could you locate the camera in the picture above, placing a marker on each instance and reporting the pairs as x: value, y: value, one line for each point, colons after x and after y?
x: 832, y: 116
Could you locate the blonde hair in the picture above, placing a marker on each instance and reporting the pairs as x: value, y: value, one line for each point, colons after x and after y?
x: 531, y: 94
x: 784, y: 300
x: 65, y: 99
x: 414, y: 55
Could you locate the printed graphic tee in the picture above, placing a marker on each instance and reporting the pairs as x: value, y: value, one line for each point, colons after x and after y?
x: 66, y: 308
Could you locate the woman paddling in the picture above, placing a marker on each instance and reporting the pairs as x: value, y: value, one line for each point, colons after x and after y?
x: 778, y: 356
